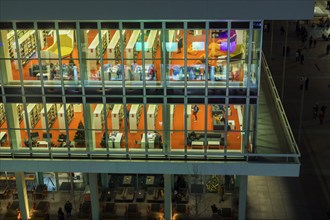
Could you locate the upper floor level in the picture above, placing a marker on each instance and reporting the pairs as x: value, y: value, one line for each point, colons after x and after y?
x: 131, y: 58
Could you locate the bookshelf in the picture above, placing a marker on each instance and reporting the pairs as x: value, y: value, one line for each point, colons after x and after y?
x: 98, y: 116
x: 134, y: 117
x: 152, y: 116
x: 152, y: 44
x: 33, y: 112
x: 2, y: 114
x: 117, y: 116
x: 20, y: 112
x: 113, y: 50
x: 61, y: 115
x: 131, y: 53
x: 11, y: 40
x: 94, y: 48
x: 51, y: 114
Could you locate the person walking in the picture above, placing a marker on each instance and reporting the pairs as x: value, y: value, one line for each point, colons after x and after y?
x: 315, y: 110
x: 302, y: 58
x: 328, y: 49
x: 302, y: 81
x: 222, y: 193
x: 310, y: 41
x: 195, y: 111
x: 68, y: 208
x: 306, y: 83
x: 60, y: 214
x: 297, y: 55
x: 282, y: 30
x: 314, y: 42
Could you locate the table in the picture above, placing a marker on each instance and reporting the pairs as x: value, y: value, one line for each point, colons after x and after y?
x: 151, y: 140
x: 115, y: 139
x: 150, y: 180
x: 42, y: 144
x: 47, y: 74
x: 127, y: 180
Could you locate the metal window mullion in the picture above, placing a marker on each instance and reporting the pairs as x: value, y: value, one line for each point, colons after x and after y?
x: 123, y: 80
x: 185, y: 26
x: 20, y: 69
x: 227, y: 88
x: 163, y: 50
x: 62, y: 82
x: 256, y: 111
x: 166, y: 127
x: 42, y: 87
x: 104, y: 102
x: 249, y: 60
x: 80, y: 56
x: 247, y: 106
x: 185, y: 104
x: 144, y: 89
x: 206, y: 80
x: 207, y: 27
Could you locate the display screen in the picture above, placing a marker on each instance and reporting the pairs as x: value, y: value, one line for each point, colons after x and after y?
x: 171, y: 46
x: 198, y: 46
x: 138, y: 46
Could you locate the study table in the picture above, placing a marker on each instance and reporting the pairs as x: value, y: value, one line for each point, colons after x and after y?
x: 151, y: 140
x: 115, y: 139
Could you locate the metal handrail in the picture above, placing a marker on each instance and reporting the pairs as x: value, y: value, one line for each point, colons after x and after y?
x: 279, y: 106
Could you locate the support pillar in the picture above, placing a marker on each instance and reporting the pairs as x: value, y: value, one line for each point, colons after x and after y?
x: 94, y: 195
x: 105, y: 180
x: 242, y: 197
x: 22, y: 195
x: 168, y: 196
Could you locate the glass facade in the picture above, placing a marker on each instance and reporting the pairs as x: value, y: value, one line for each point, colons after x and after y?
x: 156, y: 88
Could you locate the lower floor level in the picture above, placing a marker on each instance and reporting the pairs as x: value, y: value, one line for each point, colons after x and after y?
x: 121, y: 196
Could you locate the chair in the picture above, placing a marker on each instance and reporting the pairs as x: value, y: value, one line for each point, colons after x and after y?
x: 45, y: 136
x: 34, y: 136
x: 62, y: 138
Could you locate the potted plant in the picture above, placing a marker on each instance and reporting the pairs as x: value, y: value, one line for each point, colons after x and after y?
x: 79, y: 137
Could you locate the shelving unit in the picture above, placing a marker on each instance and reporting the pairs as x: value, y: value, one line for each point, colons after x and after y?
x: 130, y: 48
x: 2, y: 114
x: 152, y: 116
x: 134, y: 117
x: 20, y: 112
x: 98, y: 116
x: 152, y: 44
x: 51, y: 115
x: 117, y: 116
x: 61, y: 115
x: 113, y: 50
x: 33, y: 112
x: 94, y: 48
x: 11, y: 40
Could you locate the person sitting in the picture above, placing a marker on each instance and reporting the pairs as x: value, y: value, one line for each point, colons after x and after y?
x: 191, y: 137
